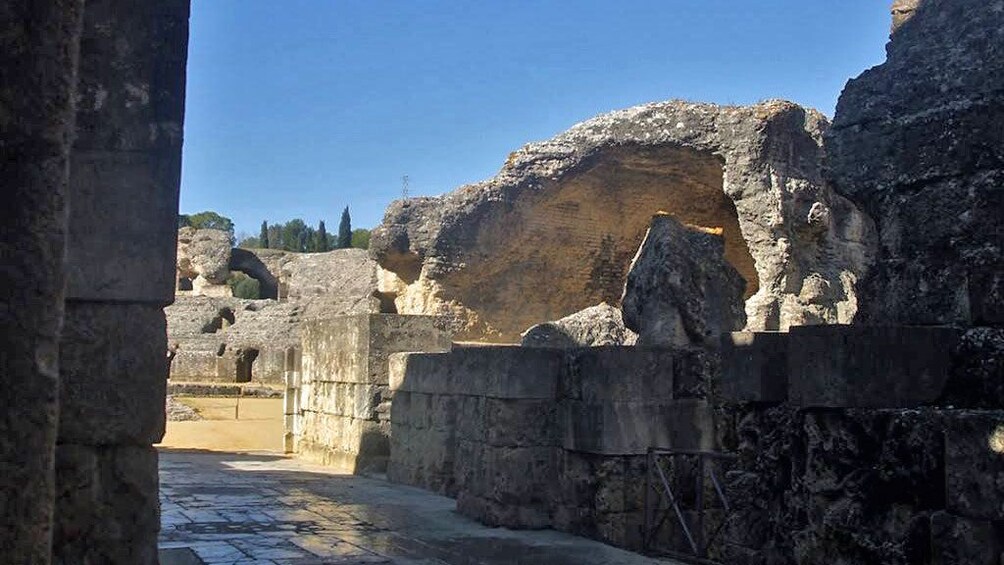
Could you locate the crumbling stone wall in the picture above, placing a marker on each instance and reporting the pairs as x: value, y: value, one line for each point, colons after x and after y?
x: 849, y: 450
x: 555, y: 230
x: 343, y: 399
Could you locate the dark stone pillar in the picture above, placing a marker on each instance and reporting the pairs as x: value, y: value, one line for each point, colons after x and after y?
x: 124, y: 178
x: 38, y: 57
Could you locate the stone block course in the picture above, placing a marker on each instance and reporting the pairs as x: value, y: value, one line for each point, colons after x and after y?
x: 868, y: 366
x: 113, y: 364
x: 755, y: 367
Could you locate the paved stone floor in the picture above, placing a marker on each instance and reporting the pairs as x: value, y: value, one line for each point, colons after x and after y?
x: 230, y: 508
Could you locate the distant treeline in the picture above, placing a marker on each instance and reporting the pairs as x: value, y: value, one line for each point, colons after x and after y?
x: 294, y: 235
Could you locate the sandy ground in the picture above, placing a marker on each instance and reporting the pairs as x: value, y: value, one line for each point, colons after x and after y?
x: 258, y: 426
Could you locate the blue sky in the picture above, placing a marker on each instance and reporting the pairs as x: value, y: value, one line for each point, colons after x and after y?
x: 299, y: 108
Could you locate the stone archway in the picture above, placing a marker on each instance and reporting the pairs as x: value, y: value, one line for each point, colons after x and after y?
x: 555, y: 230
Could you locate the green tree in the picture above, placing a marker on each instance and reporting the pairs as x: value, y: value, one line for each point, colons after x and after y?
x: 244, y: 286
x: 345, y: 230
x: 249, y: 242
x: 321, y: 239
x: 263, y: 236
x: 361, y: 238
x: 208, y: 220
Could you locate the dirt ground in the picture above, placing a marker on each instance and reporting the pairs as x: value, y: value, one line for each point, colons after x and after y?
x: 255, y: 426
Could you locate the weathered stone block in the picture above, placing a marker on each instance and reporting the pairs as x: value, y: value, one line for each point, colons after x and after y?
x: 627, y: 428
x: 113, y: 374
x: 519, y: 423
x: 612, y: 374
x: 974, y: 464
x: 958, y: 541
x: 754, y: 367
x: 868, y: 367
x: 107, y: 509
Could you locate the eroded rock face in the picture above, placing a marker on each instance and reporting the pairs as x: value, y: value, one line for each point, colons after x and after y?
x: 203, y: 261
x: 555, y: 230
x: 680, y: 290
x: 918, y: 144
x: 595, y: 326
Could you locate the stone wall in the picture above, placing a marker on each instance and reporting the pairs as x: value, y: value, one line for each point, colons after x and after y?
x: 125, y: 172
x: 87, y: 272
x: 38, y: 59
x: 343, y: 399
x: 533, y: 438
x: 851, y: 449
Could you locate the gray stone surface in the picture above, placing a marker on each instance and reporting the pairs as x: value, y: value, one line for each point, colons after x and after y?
x: 38, y: 50
x: 107, y: 504
x: 974, y: 465
x: 595, y: 326
x: 680, y: 290
x: 125, y: 167
x: 957, y: 540
x: 918, y: 144
x: 567, y: 214
x: 344, y: 396
x: 755, y: 367
x: 229, y: 508
x: 113, y: 368
x: 868, y: 366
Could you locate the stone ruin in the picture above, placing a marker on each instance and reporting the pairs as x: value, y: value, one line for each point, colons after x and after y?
x: 876, y: 442
x: 554, y: 232
x: 215, y: 337
x: 866, y: 428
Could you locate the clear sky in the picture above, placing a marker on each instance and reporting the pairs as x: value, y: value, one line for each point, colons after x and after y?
x: 298, y: 108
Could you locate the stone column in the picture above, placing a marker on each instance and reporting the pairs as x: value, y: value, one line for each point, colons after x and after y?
x: 125, y: 172
x: 38, y: 57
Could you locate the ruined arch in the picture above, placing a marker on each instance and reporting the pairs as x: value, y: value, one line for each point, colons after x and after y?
x: 248, y: 263
x: 554, y: 232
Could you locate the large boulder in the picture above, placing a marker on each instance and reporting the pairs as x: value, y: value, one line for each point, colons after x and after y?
x: 595, y: 326
x: 203, y: 261
x: 918, y: 144
x: 680, y: 290
x: 554, y: 232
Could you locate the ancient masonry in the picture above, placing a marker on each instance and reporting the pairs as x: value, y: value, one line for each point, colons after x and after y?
x: 91, y: 171
x: 554, y: 232
x: 874, y: 442
x: 868, y: 429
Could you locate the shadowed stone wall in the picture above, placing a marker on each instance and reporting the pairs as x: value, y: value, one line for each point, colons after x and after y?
x: 38, y: 58
x: 124, y: 178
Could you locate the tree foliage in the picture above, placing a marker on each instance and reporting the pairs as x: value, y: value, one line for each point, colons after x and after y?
x: 345, y: 230
x: 208, y: 220
x: 361, y: 238
x: 244, y: 286
x: 263, y: 235
x: 321, y: 242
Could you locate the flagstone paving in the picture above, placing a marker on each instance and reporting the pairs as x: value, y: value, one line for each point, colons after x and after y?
x: 221, y: 508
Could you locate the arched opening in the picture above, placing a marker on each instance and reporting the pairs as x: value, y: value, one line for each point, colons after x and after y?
x: 568, y: 245
x: 222, y: 320
x: 245, y: 365
x: 248, y: 263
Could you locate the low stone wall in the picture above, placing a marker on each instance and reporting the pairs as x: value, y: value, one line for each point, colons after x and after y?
x: 342, y: 401
x: 855, y: 446
x: 534, y: 438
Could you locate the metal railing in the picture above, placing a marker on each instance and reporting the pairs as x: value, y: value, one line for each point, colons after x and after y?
x: 659, y: 490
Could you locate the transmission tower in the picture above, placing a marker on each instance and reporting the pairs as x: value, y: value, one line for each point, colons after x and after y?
x: 404, y: 186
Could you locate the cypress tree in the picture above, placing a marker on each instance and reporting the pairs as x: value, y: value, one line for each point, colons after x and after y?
x: 345, y: 230
x: 321, y: 244
x: 263, y: 236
